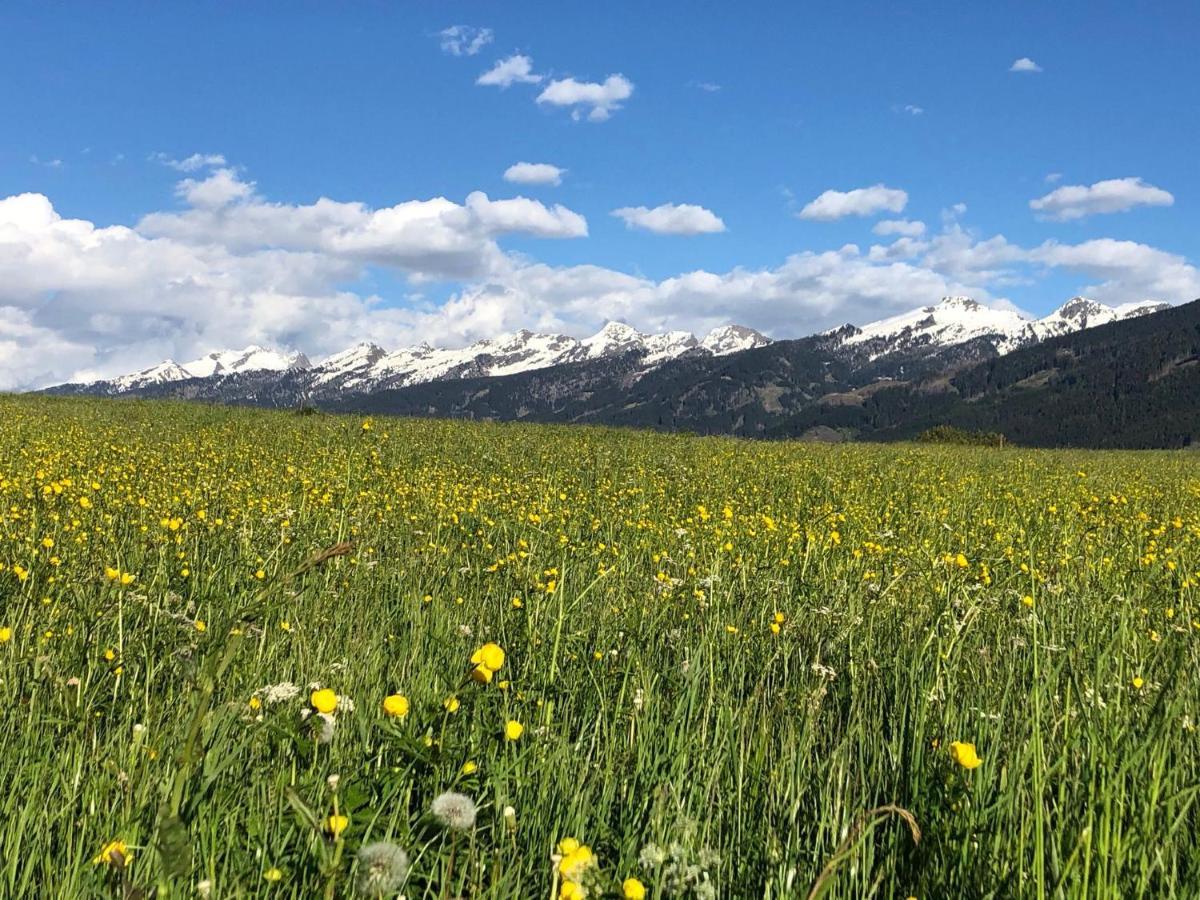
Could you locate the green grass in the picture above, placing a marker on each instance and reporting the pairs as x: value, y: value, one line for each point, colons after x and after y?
x: 659, y: 708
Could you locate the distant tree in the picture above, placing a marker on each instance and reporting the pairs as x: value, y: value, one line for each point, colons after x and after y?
x: 948, y: 434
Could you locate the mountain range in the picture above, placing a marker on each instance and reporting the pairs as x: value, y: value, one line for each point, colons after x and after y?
x: 953, y: 362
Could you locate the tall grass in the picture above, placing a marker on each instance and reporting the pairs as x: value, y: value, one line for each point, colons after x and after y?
x: 1040, y: 605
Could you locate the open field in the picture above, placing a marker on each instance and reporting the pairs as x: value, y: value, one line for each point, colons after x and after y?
x: 722, y: 657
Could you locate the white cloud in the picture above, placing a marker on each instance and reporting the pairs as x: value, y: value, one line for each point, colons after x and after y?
x: 79, y: 299
x: 1075, y: 201
x: 464, y: 40
x: 1127, y: 270
x: 710, y: 87
x: 219, y: 189
x: 859, y: 202
x: 193, y: 163
x: 534, y: 173
x: 516, y: 69
x: 1024, y: 64
x: 603, y: 98
x: 906, y: 227
x: 914, y: 110
x: 671, y: 218
x: 48, y: 163
x: 1053, y: 177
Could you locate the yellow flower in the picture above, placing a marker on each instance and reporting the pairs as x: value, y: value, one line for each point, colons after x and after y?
x: 255, y: 703
x: 469, y: 768
x: 5, y: 635
x: 1027, y: 600
x: 396, y: 706
x: 633, y: 889
x: 482, y: 674
x: 575, y: 860
x: 273, y: 874
x: 335, y: 825
x: 451, y: 704
x: 114, y: 853
x: 1138, y: 682
x: 571, y: 890
x: 201, y: 626
x: 963, y: 753
x: 324, y: 700
x: 489, y: 655
x: 513, y: 730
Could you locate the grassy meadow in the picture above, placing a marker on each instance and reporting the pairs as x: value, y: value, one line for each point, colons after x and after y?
x: 247, y: 654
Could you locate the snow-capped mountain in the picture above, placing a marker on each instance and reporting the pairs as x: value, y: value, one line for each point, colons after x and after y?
x: 223, y: 362
x: 368, y: 367
x: 957, y: 320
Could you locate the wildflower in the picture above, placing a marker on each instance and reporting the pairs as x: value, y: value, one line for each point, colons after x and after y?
x: 571, y: 890
x: 454, y: 811
x: 513, y: 730
x: 486, y: 661
x: 336, y: 824
x: 451, y: 704
x: 324, y: 700
x: 273, y: 874
x: 382, y: 868
x: 396, y: 706
x: 963, y: 753
x: 114, y: 853
x: 576, y: 859
x: 469, y: 767
x: 1027, y: 601
x: 1138, y: 682
x: 5, y: 634
x: 632, y: 889
x: 255, y: 703
x: 327, y: 727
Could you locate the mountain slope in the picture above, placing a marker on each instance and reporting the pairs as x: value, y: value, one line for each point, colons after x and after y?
x: 367, y: 367
x: 1133, y: 382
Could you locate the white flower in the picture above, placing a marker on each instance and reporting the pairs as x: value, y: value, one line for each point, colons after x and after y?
x: 454, y: 810
x: 382, y: 868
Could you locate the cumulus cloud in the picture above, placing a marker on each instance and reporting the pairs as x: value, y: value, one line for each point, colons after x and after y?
x: 671, y: 218
x: 859, y: 202
x: 913, y: 110
x: 80, y: 299
x: 600, y: 100
x: 1075, y: 201
x: 464, y: 40
x: 906, y: 227
x: 1126, y: 270
x: 534, y: 173
x: 516, y: 69
x: 1024, y: 64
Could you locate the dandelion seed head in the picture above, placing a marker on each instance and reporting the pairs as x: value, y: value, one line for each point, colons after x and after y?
x: 455, y: 811
x: 382, y: 868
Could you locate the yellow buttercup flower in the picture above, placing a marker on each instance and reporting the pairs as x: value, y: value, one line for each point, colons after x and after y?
x: 963, y: 753
x: 513, y: 730
x: 571, y: 890
x: 482, y: 674
x: 632, y: 889
x: 5, y: 634
x: 469, y: 768
x: 451, y: 704
x: 335, y: 825
x: 490, y: 655
x: 396, y: 706
x: 114, y: 853
x: 273, y: 874
x: 324, y: 700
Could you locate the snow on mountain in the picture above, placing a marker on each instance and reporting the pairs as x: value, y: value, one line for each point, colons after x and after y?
x: 732, y: 339
x: 367, y: 367
x: 223, y: 362
x: 956, y: 320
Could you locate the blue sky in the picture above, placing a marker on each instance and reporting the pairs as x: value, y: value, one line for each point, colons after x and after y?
x: 750, y: 111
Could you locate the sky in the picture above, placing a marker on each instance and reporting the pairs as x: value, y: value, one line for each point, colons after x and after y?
x: 185, y: 177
